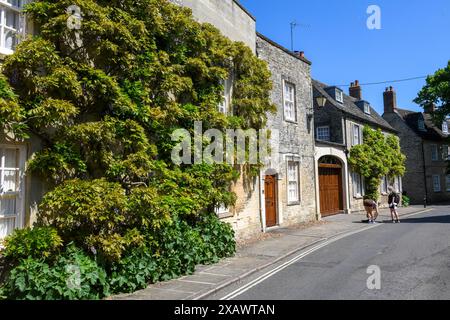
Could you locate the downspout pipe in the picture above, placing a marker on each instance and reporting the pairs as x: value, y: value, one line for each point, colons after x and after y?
x: 425, y: 200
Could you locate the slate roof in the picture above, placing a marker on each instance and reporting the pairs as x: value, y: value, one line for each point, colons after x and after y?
x: 350, y: 108
x: 279, y: 46
x: 432, y: 131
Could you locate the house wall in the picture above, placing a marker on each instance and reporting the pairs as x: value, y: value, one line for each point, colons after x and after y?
x: 411, y: 145
x: 439, y: 168
x: 357, y: 203
x: 330, y: 116
x: 291, y: 140
x: 226, y: 15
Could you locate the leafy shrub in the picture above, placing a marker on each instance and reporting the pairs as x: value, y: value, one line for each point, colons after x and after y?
x: 34, y: 243
x: 406, y: 201
x: 72, y: 276
x: 218, y: 239
x: 91, y: 214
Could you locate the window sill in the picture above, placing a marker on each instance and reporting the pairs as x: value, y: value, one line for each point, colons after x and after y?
x: 293, y: 203
x: 6, y: 52
x: 358, y: 197
x: 291, y: 121
x: 225, y: 215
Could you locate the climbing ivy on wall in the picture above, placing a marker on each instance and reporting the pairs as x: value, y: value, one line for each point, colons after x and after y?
x: 376, y: 157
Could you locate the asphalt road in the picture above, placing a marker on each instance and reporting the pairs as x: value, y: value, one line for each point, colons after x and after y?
x: 413, y: 258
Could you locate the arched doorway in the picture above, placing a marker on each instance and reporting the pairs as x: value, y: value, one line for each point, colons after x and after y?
x: 330, y: 186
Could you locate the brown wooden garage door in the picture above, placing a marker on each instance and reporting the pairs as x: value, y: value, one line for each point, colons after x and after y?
x: 330, y: 183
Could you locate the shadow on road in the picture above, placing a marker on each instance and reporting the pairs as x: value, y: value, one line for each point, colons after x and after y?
x: 431, y: 219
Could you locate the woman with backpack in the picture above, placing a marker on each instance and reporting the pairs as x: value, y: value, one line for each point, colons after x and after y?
x: 394, y: 201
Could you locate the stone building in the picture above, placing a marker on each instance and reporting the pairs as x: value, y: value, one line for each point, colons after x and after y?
x: 339, y: 120
x: 426, y: 146
x: 284, y: 192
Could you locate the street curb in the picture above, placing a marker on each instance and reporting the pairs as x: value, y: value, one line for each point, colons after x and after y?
x: 286, y: 255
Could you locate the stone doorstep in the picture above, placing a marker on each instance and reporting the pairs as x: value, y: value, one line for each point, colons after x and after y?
x: 207, y: 279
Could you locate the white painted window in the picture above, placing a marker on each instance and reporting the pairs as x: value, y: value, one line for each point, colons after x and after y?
x: 222, y: 209
x: 367, y: 108
x: 289, y: 102
x: 12, y: 24
x: 384, y: 185
x: 445, y: 127
x: 323, y: 133
x: 398, y: 184
x: 434, y: 152
x: 447, y: 182
x: 293, y: 182
x: 339, y: 96
x: 223, y: 105
x: 437, y: 183
x: 11, y: 196
x: 358, y: 185
x: 356, y: 130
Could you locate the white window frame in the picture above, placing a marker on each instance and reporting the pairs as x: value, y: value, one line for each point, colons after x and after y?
x: 437, y: 183
x: 356, y: 139
x: 321, y: 136
x: 445, y: 127
x: 19, y: 193
x: 434, y: 152
x: 289, y: 104
x: 339, y: 96
x: 367, y: 108
x: 293, y: 179
x: 384, y: 185
x: 447, y: 182
x: 358, y: 185
x: 4, y: 7
x: 222, y: 210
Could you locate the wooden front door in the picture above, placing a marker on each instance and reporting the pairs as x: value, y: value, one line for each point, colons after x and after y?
x: 330, y: 185
x: 270, y: 191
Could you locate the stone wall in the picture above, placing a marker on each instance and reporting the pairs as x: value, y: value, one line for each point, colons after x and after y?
x: 293, y: 140
x: 226, y: 15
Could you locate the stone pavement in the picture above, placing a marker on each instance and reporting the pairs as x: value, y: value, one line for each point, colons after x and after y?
x: 279, y: 244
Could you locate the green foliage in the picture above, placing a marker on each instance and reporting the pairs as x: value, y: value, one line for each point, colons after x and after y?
x: 34, y: 243
x: 72, y: 276
x: 90, y: 213
x: 406, y: 201
x: 377, y: 157
x: 437, y: 91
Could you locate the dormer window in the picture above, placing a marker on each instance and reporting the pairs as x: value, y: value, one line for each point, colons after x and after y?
x: 421, y: 125
x: 336, y: 93
x: 445, y: 127
x: 339, y: 96
x: 364, y: 106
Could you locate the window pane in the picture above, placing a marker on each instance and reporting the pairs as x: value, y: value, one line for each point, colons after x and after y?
x: 9, y: 181
x: 10, y: 158
x: 7, y: 206
x: 12, y: 19
x: 11, y: 40
x: 6, y: 227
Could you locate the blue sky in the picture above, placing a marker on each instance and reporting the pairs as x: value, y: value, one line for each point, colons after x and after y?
x: 414, y: 41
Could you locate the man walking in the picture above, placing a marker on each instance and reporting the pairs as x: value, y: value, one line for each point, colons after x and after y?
x: 394, y: 200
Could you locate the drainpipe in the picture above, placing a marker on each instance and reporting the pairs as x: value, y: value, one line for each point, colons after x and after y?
x: 347, y: 178
x: 425, y: 200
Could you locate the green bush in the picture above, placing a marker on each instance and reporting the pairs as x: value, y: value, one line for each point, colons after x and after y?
x: 34, y: 243
x: 72, y: 276
x: 218, y: 239
x: 406, y: 201
x: 91, y: 214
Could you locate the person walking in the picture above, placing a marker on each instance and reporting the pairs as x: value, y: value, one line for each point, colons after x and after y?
x: 394, y: 201
x: 371, y: 207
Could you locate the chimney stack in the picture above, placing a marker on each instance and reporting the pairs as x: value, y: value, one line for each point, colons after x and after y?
x: 355, y: 90
x: 431, y: 108
x: 390, y: 100
x: 300, y: 54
